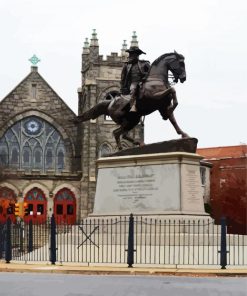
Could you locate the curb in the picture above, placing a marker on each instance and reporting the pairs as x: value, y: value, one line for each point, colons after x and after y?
x: 82, y: 270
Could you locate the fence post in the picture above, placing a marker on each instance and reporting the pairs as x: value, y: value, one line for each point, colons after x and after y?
x: 130, y: 258
x: 21, y: 233
x: 30, y: 236
x: 8, y: 250
x: 223, y: 251
x: 53, y: 256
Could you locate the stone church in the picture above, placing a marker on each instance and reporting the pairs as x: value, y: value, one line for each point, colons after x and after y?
x: 48, y: 161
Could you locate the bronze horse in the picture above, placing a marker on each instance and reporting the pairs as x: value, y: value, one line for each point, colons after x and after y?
x: 154, y: 94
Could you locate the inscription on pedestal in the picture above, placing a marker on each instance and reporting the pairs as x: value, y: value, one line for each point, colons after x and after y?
x: 191, y: 188
x: 136, y: 189
x: 135, y: 185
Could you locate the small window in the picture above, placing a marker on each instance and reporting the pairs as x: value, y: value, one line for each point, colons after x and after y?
x: 34, y: 91
x: 10, y: 210
x: 203, y: 175
x: 59, y: 209
x: 70, y: 209
x: 30, y: 208
x: 104, y: 150
x: 40, y: 209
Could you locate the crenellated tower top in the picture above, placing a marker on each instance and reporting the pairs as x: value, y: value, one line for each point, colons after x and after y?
x: 92, y: 58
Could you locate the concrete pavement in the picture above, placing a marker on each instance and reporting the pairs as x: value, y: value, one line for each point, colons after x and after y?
x: 120, y: 269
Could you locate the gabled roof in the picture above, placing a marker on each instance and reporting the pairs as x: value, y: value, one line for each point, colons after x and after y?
x: 34, y: 71
x: 223, y: 152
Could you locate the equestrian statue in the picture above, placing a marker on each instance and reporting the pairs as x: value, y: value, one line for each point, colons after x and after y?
x: 144, y: 90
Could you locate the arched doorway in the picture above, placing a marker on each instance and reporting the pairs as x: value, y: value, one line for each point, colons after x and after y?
x: 37, y: 206
x: 65, y: 206
x: 7, y: 204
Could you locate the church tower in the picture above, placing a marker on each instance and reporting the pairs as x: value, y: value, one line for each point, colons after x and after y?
x: 100, y: 81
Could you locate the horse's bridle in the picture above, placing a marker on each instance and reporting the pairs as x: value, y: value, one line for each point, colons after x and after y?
x: 173, y: 70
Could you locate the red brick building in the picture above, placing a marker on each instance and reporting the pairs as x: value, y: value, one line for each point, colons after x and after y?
x: 228, y: 185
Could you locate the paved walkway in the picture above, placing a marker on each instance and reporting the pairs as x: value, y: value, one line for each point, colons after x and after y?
x: 120, y: 270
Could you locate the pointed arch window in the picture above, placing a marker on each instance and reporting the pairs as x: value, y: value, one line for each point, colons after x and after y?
x: 4, y: 156
x: 33, y: 143
x: 49, y: 159
x: 14, y: 156
x: 104, y: 149
x: 26, y: 156
x: 38, y: 158
x: 60, y: 160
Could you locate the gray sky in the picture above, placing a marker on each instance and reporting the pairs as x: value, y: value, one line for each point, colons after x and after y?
x: 210, y: 34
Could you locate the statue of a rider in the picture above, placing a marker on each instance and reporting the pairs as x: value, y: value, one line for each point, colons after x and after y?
x: 133, y: 72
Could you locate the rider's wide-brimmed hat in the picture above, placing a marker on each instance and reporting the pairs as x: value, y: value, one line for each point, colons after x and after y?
x: 135, y: 49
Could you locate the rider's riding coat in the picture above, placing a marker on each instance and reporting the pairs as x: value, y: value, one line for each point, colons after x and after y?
x: 132, y: 74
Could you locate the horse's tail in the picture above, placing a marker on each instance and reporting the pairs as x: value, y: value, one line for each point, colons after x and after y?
x: 99, y: 109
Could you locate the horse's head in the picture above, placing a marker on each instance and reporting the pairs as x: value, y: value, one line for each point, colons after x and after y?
x: 175, y: 63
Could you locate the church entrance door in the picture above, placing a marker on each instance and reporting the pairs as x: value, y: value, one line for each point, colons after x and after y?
x: 37, y: 206
x: 65, y: 207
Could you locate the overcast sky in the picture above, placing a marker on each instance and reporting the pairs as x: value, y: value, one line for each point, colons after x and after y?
x: 211, y: 34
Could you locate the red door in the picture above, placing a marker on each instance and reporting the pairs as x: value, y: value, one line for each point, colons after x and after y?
x: 37, y: 206
x: 7, y: 204
x: 65, y: 206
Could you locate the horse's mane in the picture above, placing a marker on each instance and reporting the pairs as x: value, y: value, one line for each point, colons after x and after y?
x: 164, y: 56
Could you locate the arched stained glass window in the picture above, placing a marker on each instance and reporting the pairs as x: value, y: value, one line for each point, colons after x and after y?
x: 64, y: 194
x: 7, y: 193
x: 35, y: 194
x: 32, y: 143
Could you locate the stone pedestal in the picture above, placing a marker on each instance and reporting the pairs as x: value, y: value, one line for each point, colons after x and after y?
x: 164, y: 184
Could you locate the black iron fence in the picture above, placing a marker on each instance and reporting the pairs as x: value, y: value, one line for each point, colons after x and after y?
x: 124, y: 240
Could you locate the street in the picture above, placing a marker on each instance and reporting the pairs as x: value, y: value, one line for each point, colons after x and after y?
x: 23, y: 284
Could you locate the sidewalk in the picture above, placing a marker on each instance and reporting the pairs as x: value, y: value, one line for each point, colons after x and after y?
x: 119, y: 270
